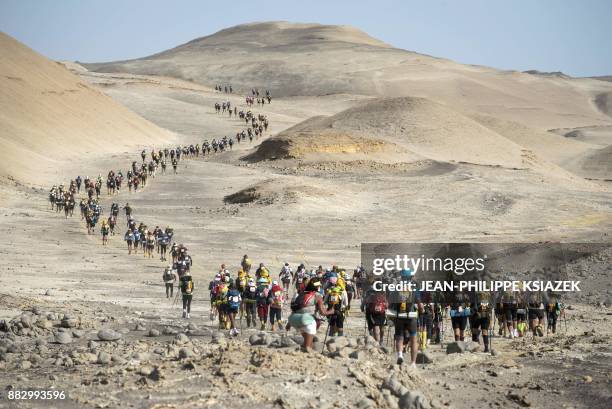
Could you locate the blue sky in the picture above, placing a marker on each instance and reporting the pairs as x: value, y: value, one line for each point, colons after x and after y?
x: 562, y: 35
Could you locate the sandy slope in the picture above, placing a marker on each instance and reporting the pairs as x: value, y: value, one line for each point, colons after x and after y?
x: 310, y: 59
x: 48, y: 116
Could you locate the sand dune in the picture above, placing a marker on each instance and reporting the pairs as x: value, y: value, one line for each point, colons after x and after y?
x: 311, y: 59
x: 48, y: 116
x: 417, y: 127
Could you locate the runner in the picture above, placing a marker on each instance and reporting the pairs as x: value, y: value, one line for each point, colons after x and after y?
x: 169, y: 278
x: 404, y: 309
x: 306, y: 309
x: 276, y: 302
x: 186, y: 284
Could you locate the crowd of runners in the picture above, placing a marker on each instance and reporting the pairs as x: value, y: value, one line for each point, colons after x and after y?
x: 301, y: 298
x: 307, y: 299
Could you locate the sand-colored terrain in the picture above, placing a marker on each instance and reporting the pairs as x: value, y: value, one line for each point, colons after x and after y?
x: 48, y: 116
x: 366, y: 143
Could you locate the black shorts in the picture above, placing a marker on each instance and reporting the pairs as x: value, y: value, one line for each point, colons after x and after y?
x: 375, y: 320
x: 275, y: 315
x: 480, y: 321
x: 337, y: 320
x: 510, y: 312
x: 459, y: 322
x: 405, y: 328
x: 535, y: 314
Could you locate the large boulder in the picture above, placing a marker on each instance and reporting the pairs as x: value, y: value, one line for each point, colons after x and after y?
x: 63, y: 338
x: 424, y: 357
x: 413, y: 400
x: 457, y: 347
x: 260, y: 338
x: 108, y: 335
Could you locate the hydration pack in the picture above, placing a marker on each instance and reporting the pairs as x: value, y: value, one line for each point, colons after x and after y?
x: 302, y: 301
x: 378, y: 304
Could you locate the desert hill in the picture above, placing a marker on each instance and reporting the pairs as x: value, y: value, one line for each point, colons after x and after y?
x: 314, y: 60
x: 408, y: 129
x: 48, y: 117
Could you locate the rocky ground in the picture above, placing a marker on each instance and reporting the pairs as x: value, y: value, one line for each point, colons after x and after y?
x: 94, y: 322
x: 112, y: 356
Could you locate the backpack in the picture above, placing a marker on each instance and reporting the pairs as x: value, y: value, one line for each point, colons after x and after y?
x: 303, y: 300
x: 233, y: 299
x: 334, y: 296
x: 187, y: 286
x: 277, y: 298
x: 262, y: 295
x: 168, y: 275
x: 378, y: 304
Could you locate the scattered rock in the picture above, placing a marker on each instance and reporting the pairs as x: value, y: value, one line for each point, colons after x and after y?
x: 424, y: 357
x: 118, y: 359
x: 181, y: 339
x: 108, y: 335
x: 26, y: 320
x: 457, y: 347
x: 413, y: 400
x: 25, y: 365
x: 520, y: 399
x: 141, y: 356
x: 63, y: 338
x: 260, y: 338
x: 154, y: 332
x: 587, y: 379
x: 364, y: 403
x: 185, y: 353
x: 358, y: 354
x: 44, y: 323
x: 104, y: 358
x: 77, y: 334
x: 145, y: 371
x: 69, y: 322
x: 169, y: 331
x: 395, y: 386
x: 156, y: 374
x: 140, y: 327
x: 49, y: 293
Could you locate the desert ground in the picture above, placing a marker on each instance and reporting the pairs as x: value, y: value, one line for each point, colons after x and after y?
x: 367, y: 143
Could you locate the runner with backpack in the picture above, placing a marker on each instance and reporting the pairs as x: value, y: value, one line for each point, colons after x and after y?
x: 169, y: 278
x: 404, y: 310
x: 336, y: 300
x: 105, y: 230
x: 306, y: 309
x: 249, y: 301
x: 261, y: 297
x: 129, y: 239
x: 276, y: 301
x: 286, y: 275
x: 374, y: 304
x: 186, y: 284
x: 234, y: 300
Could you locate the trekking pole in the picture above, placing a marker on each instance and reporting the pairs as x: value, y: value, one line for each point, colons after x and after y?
x: 365, y: 330
x: 422, y: 341
x: 492, y: 332
x: 241, y: 322
x: 175, y: 298
x: 325, y: 339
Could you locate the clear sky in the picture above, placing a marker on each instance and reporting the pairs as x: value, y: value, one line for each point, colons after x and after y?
x: 572, y: 36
